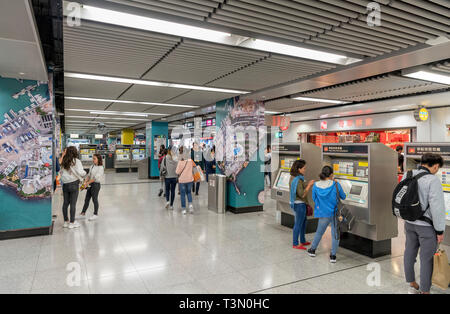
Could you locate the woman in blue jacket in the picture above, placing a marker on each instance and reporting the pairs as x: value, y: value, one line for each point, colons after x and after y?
x: 325, y: 196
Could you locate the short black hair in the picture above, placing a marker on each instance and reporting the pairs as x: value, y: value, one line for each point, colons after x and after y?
x: 432, y: 159
x: 399, y: 148
x: 327, y: 171
x: 298, y: 164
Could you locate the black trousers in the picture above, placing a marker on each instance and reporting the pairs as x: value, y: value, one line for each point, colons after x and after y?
x: 70, y: 194
x: 92, y: 192
x: 196, y: 187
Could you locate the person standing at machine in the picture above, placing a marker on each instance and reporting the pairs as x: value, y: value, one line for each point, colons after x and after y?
x: 268, y: 165
x: 325, y: 195
x: 72, y: 173
x: 186, y: 180
x: 401, y: 158
x: 93, y: 184
x: 299, y: 191
x: 170, y: 165
x: 428, y: 232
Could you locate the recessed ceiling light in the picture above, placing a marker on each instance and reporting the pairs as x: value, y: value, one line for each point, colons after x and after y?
x: 430, y: 76
x: 183, y: 30
x: 129, y: 102
x: 331, y: 101
x: 149, y: 83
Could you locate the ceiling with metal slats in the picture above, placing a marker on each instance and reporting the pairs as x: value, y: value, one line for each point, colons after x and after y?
x: 335, y: 26
x: 281, y: 69
x: 375, y: 88
x: 340, y: 25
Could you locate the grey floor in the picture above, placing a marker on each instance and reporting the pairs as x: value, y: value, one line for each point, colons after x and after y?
x: 137, y: 246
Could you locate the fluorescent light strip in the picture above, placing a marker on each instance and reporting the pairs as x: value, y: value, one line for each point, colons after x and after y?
x: 271, y: 112
x: 149, y: 83
x: 430, y: 76
x: 129, y: 102
x: 104, y: 118
x: 183, y: 30
x: 331, y: 101
x: 119, y: 113
x: 95, y: 123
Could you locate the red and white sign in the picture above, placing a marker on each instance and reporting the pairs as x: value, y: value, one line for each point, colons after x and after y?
x: 282, y: 122
x: 323, y: 125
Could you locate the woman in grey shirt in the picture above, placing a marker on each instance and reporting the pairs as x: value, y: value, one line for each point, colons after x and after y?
x: 170, y: 165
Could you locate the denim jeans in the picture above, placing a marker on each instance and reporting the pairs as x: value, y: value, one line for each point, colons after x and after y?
x: 171, y: 184
x: 300, y: 223
x: 321, y: 228
x: 185, y: 189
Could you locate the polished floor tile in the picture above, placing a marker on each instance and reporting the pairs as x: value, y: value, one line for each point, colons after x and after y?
x: 137, y: 246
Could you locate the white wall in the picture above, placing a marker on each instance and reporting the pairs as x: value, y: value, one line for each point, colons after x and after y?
x: 434, y: 130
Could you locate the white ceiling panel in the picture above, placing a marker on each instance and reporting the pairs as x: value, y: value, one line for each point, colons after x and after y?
x: 151, y: 93
x: 93, y: 89
x: 375, y: 88
x: 200, y: 98
x: 271, y: 71
x: 81, y: 104
x: 290, y: 105
x: 20, y: 47
x: 108, y: 50
x: 200, y: 63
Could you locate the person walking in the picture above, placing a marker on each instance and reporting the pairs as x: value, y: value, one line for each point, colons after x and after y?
x: 72, y: 173
x: 268, y: 166
x: 197, y: 157
x: 186, y: 180
x: 161, y: 156
x: 325, y: 195
x: 170, y: 166
x: 93, y: 185
x: 426, y: 233
x: 299, y: 191
x: 401, y: 158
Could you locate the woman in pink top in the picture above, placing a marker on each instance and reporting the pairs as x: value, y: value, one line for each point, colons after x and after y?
x: 186, y: 180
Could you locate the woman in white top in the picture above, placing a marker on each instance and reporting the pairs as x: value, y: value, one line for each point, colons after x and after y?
x: 93, y: 185
x: 72, y: 173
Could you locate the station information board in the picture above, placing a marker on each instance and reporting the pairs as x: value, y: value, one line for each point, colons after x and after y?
x: 346, y: 149
x: 425, y: 149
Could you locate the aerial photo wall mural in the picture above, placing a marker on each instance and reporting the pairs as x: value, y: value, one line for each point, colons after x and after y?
x: 26, y: 128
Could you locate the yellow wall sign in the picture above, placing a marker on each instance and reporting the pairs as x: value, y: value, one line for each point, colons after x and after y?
x: 421, y: 114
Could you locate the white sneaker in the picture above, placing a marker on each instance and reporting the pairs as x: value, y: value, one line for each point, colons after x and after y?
x: 191, y: 209
x: 81, y: 217
x: 167, y: 205
x: 170, y: 207
x: 184, y: 212
x: 74, y: 225
x: 93, y: 217
x: 413, y: 290
x: 66, y: 224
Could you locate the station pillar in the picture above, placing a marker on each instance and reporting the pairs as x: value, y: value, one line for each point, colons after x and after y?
x: 240, y: 143
x: 157, y: 134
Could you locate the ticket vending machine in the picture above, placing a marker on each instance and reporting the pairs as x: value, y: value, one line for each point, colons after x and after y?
x: 413, y: 155
x: 122, y: 162
x: 285, y: 154
x: 368, y: 175
x: 87, y: 152
x: 137, y: 154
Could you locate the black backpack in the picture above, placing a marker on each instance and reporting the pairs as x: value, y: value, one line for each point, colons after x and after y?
x: 405, y: 200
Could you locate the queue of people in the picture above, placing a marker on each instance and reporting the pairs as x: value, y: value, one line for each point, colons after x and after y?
x: 423, y: 235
